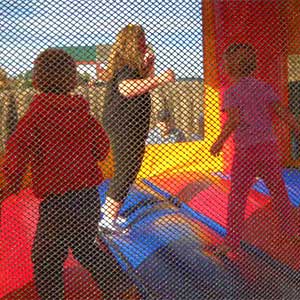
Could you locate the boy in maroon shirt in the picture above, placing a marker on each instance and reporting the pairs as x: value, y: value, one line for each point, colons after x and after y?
x: 62, y: 142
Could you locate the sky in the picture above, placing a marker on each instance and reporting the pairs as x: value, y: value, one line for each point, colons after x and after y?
x: 173, y: 27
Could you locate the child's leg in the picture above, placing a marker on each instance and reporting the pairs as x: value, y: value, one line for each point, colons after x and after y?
x: 243, y: 175
x: 50, y: 249
x: 128, y: 152
x: 102, y: 265
x: 272, y: 175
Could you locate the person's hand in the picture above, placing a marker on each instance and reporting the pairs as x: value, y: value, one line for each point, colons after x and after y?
x: 167, y: 76
x: 149, y: 59
x: 216, y: 148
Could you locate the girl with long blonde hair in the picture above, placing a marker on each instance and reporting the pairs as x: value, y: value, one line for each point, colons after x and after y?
x: 130, y: 77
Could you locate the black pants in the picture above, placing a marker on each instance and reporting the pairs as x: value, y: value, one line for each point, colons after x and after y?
x: 70, y: 221
x: 128, y: 147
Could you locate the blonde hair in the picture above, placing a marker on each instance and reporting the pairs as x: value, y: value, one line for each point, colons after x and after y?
x: 4, y: 80
x: 126, y: 51
x: 54, y: 72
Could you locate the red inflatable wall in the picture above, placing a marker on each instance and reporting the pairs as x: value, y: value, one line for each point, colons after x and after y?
x: 266, y: 26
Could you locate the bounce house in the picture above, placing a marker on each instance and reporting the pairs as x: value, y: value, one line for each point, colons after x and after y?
x: 178, y: 204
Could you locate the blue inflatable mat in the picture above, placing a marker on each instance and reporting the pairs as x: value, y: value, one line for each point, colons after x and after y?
x: 144, y: 237
x: 165, y: 258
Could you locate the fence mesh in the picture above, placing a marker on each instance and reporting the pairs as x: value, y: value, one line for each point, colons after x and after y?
x: 149, y: 149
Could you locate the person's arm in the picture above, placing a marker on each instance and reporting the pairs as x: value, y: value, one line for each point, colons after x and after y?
x: 232, y: 122
x: 18, y: 152
x: 135, y: 87
x: 286, y: 116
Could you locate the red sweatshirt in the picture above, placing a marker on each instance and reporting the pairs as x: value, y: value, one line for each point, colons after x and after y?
x: 61, y: 141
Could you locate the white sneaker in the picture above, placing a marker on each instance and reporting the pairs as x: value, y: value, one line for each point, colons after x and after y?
x: 105, y: 223
x: 120, y: 221
x: 110, y: 221
x: 109, y: 226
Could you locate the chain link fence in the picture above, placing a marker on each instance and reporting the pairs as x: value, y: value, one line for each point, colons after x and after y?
x: 149, y: 150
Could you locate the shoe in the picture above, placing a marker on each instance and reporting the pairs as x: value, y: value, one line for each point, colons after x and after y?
x: 109, y: 211
x: 109, y: 226
x: 121, y: 221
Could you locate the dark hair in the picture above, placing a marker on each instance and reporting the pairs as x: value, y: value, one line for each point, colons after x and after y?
x: 55, y: 72
x: 248, y: 62
x: 164, y: 115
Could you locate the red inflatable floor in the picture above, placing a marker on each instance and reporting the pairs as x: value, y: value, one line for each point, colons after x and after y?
x: 206, y: 196
x: 78, y: 286
x: 20, y: 214
x: 261, y: 227
x: 19, y: 217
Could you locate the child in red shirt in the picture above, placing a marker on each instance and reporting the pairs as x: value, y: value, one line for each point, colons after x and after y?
x: 249, y: 103
x: 62, y: 142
